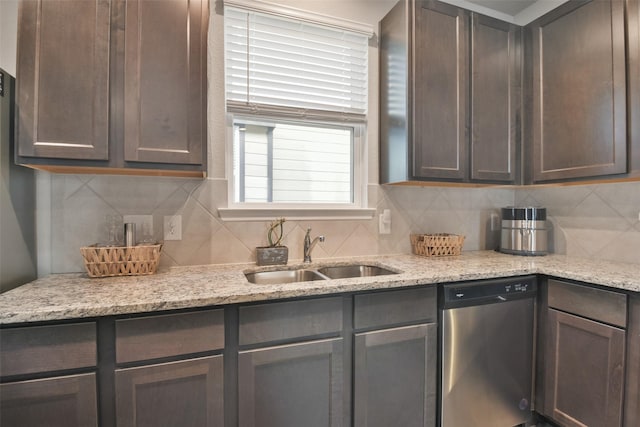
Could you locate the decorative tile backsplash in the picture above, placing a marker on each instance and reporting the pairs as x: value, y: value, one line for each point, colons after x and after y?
x: 589, y: 221
x: 592, y: 221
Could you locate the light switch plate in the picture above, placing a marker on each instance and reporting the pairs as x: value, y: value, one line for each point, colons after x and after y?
x: 384, y: 222
x: 173, y: 227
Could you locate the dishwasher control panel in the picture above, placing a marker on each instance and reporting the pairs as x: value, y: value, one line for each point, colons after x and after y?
x: 490, y: 291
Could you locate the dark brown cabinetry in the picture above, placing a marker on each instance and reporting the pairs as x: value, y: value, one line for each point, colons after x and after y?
x: 68, y: 401
x: 301, y: 382
x: 578, y: 123
x: 63, y: 79
x: 495, y: 71
x: 165, y: 81
x: 440, y: 84
x: 449, y: 95
x: 395, y: 367
x: 633, y: 83
x: 395, y: 376
x: 123, y: 88
x: 292, y: 385
x: 186, y: 392
x: 182, y: 393
x: 584, y: 355
x: 632, y: 388
x: 57, y: 399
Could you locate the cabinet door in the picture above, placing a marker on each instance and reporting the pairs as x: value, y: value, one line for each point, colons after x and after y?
x: 440, y: 91
x: 495, y: 99
x: 579, y: 99
x: 633, y: 75
x: 165, y: 81
x: 584, y: 371
x: 395, y: 377
x: 180, y: 394
x: 63, y: 79
x: 292, y: 385
x: 52, y: 402
x: 632, y: 390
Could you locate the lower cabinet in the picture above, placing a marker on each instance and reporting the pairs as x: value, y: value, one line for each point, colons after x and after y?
x: 395, y: 358
x: 584, y: 356
x: 183, y: 393
x: 632, y: 390
x: 180, y: 393
x: 291, y: 364
x: 35, y: 390
x: 292, y: 385
x: 68, y: 401
x: 395, y: 377
x: 585, y: 371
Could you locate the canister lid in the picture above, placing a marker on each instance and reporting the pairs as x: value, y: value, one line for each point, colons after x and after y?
x: 529, y: 213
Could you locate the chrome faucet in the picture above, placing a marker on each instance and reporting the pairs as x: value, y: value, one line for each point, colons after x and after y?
x: 309, y: 244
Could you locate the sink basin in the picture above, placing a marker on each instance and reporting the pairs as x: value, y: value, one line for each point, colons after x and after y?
x: 356, y: 270
x: 283, y: 276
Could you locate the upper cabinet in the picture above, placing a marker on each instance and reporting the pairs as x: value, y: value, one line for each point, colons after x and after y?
x: 495, y: 99
x: 440, y: 90
x: 633, y: 82
x: 578, y: 122
x: 63, y: 79
x: 123, y: 88
x: 165, y: 81
x: 449, y: 93
x: 468, y: 98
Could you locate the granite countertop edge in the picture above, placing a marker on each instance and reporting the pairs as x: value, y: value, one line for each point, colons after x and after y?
x: 76, y: 296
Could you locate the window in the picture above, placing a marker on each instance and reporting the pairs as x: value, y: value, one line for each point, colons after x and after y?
x: 296, y: 92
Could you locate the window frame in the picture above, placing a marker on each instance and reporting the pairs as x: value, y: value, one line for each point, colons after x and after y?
x: 357, y: 209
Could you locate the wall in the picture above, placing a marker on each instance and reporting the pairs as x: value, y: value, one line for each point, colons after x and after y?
x: 593, y: 221
x: 17, y: 205
x: 79, y: 204
x: 8, y: 35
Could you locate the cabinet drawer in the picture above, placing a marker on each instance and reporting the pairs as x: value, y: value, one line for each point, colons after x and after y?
x: 395, y: 307
x: 47, y: 348
x: 597, y: 304
x: 153, y: 337
x: 291, y: 319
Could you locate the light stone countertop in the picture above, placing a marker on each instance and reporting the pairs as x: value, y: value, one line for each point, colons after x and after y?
x: 72, y: 296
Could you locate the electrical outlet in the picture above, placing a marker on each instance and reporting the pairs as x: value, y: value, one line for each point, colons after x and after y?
x: 173, y: 227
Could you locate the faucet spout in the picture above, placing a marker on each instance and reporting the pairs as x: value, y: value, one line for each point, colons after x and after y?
x: 310, y: 244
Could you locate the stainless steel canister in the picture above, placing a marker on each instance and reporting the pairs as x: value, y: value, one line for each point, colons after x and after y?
x: 130, y: 234
x: 524, y: 231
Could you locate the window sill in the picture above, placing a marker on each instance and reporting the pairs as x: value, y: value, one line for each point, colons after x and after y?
x: 293, y: 214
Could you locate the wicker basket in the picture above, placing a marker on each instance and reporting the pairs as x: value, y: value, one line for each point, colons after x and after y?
x: 121, y: 260
x: 441, y: 244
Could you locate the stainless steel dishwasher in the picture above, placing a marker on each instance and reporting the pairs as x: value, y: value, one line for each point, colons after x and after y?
x: 487, y: 333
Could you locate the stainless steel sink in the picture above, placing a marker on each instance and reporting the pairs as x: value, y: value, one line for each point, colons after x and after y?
x: 283, y: 276
x: 355, y: 270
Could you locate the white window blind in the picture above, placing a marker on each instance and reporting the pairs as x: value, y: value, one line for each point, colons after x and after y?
x: 290, y: 68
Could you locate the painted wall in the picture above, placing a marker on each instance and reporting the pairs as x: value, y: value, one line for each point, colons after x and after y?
x: 17, y: 206
x: 8, y: 35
